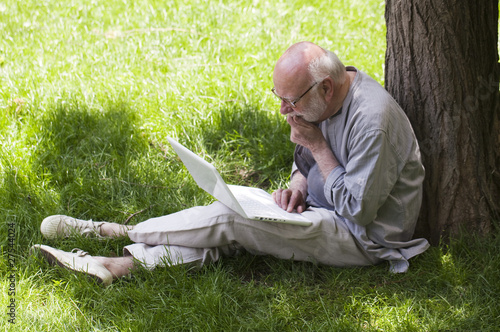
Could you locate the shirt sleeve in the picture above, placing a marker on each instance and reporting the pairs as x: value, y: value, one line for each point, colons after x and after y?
x: 302, y: 160
x: 361, y: 187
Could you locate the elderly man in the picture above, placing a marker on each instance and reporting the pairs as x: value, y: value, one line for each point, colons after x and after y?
x: 357, y: 176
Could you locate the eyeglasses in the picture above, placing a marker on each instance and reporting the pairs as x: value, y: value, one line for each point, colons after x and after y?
x: 294, y: 102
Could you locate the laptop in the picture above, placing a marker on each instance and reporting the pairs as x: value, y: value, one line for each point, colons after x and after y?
x: 248, y: 202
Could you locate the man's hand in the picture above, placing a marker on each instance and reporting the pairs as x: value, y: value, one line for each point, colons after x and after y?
x: 310, y: 136
x: 305, y: 133
x: 293, y: 198
x: 290, y: 200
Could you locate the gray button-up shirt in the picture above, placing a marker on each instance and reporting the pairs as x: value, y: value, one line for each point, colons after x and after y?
x: 377, y: 189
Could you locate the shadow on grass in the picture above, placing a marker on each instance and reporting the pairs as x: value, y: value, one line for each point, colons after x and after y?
x: 253, y: 145
x: 89, y: 163
x: 89, y: 156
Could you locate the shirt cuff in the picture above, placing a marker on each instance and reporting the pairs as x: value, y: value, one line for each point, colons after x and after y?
x: 334, y: 178
x: 399, y: 266
x: 294, y: 168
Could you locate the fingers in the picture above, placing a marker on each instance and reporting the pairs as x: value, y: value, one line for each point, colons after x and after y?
x: 296, y: 129
x: 280, y: 198
x: 274, y: 195
x: 296, y: 120
x: 296, y: 202
x: 289, y: 200
x: 290, y: 120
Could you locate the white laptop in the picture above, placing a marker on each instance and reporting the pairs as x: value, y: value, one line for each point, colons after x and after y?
x: 251, y: 203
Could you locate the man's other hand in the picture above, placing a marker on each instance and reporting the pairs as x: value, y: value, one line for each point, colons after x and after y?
x: 290, y: 200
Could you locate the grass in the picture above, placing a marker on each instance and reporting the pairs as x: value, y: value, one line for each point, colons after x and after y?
x: 88, y: 93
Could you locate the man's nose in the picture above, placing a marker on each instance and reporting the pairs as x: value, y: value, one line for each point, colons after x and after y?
x: 285, y: 108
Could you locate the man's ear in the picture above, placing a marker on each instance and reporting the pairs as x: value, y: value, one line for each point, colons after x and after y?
x: 328, y: 87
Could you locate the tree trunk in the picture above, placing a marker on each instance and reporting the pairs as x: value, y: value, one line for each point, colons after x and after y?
x: 442, y: 67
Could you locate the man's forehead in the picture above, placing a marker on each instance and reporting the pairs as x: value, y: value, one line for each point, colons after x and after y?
x: 291, y: 70
x: 289, y: 79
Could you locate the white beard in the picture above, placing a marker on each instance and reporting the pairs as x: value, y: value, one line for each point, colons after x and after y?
x: 315, y: 109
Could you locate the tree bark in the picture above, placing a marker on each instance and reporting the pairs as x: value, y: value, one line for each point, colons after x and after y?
x: 442, y: 67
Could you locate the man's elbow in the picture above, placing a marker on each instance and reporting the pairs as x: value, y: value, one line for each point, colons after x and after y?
x: 357, y: 213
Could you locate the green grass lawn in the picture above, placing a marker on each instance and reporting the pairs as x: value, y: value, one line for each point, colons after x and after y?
x: 89, y: 91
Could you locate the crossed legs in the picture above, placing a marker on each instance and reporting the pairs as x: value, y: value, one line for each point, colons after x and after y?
x: 202, y: 234
x: 118, y: 266
x: 104, y: 269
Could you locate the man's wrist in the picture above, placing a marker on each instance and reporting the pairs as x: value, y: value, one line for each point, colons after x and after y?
x: 325, y: 159
x: 319, y: 147
x: 298, y: 182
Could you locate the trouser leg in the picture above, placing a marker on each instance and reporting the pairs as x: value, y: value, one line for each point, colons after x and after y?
x: 168, y: 255
x: 202, y: 234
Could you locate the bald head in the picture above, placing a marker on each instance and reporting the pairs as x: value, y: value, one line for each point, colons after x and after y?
x: 296, y: 60
x: 306, y: 62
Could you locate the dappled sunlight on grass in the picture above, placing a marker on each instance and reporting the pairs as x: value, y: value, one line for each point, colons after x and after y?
x: 265, y: 293
x: 46, y: 306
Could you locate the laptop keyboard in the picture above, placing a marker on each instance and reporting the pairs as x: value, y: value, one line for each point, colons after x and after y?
x: 256, y: 207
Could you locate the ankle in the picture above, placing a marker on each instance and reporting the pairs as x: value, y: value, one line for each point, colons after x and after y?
x: 118, y: 266
x: 114, y: 230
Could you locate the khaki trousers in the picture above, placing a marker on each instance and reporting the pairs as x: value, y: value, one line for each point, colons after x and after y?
x: 200, y: 235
